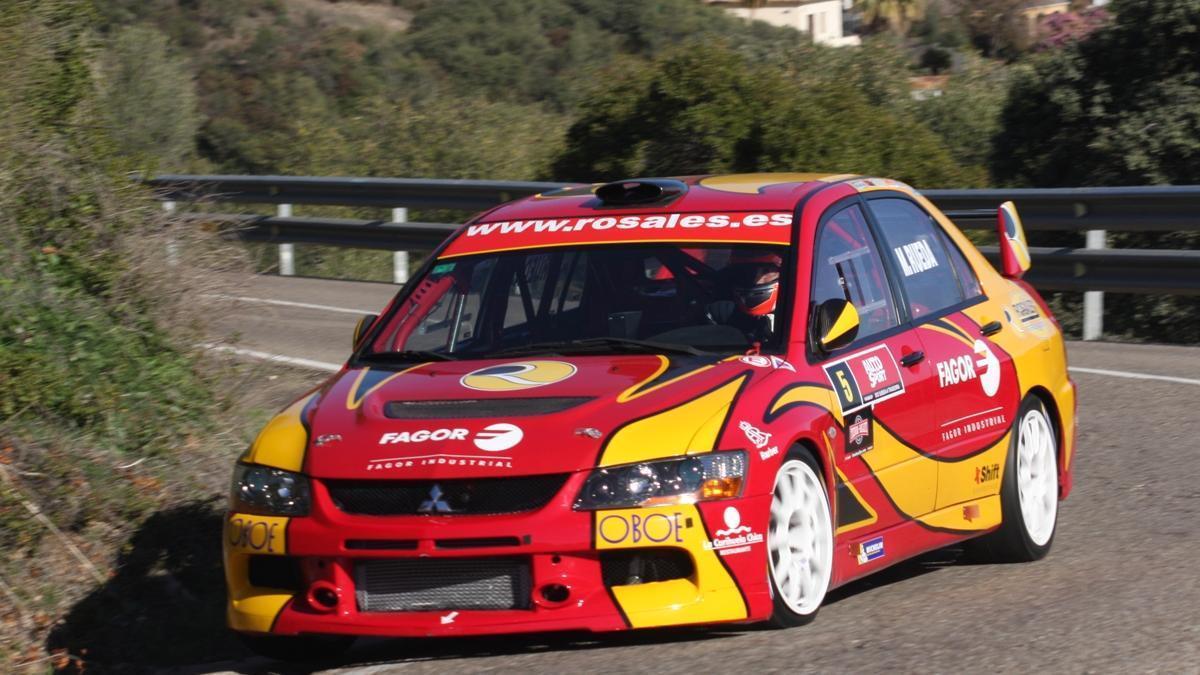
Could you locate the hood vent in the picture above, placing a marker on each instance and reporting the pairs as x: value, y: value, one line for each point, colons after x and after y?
x: 641, y: 191
x: 475, y: 408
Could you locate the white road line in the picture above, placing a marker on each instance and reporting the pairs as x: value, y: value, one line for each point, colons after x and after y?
x: 1134, y: 376
x: 278, y: 358
x: 289, y: 303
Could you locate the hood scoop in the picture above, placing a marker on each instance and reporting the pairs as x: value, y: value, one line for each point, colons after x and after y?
x: 476, y: 408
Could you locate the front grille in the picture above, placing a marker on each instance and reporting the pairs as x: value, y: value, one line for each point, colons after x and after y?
x: 642, y: 566
x: 459, y: 409
x: 424, y: 585
x: 467, y: 496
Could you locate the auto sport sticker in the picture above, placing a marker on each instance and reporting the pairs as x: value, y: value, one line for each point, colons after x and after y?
x: 735, y: 538
x: 860, y: 433
x: 517, y: 376
x: 916, y: 257
x: 494, y: 438
x: 865, y: 378
x: 257, y: 534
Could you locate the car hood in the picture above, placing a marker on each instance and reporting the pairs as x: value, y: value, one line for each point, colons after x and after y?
x: 493, y: 418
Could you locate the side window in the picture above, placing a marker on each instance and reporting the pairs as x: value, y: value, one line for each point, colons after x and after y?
x: 848, y: 266
x: 917, y: 250
x: 967, y: 279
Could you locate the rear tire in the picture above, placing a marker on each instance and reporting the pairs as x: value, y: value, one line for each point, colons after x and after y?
x: 799, y: 542
x: 1029, y: 492
x: 298, y: 648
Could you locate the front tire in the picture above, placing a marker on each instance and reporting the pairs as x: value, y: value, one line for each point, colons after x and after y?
x: 799, y: 542
x: 1029, y: 493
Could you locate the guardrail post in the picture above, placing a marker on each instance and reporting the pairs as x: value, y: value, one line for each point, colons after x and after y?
x: 287, y: 252
x: 400, y: 258
x: 1093, y: 301
x: 172, y: 245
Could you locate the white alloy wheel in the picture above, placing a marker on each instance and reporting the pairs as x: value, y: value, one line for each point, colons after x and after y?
x: 1037, y: 476
x: 800, y: 539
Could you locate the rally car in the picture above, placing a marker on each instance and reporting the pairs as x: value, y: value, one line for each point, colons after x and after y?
x: 658, y: 402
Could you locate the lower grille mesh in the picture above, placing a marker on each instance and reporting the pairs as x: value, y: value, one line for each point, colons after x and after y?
x: 420, y: 585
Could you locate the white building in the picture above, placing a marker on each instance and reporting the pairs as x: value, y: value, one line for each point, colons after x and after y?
x: 822, y: 19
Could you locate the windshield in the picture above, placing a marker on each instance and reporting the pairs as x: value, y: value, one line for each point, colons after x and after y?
x: 663, y: 298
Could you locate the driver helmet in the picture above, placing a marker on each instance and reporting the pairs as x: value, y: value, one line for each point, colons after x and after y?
x: 755, y: 281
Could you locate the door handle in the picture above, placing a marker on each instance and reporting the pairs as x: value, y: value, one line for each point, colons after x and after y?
x: 911, y: 359
x: 992, y: 328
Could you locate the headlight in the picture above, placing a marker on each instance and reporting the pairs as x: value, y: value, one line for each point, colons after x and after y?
x: 686, y: 480
x: 268, y: 492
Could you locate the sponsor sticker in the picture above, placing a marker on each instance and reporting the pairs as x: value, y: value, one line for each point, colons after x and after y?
x: 860, y: 433
x: 974, y: 423
x: 768, y: 453
x: 639, y: 528
x: 865, y: 378
x: 493, y: 438
x: 970, y: 512
x: 735, y: 538
x: 671, y: 221
x: 518, y: 375
x: 759, y: 361
x: 987, y: 473
x: 981, y: 365
x: 756, y: 436
x: 257, y: 534
x: 871, y: 549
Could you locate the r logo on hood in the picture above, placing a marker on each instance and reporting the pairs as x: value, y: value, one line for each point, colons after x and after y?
x: 517, y: 376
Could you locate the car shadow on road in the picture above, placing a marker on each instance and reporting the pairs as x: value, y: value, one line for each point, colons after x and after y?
x: 163, y: 607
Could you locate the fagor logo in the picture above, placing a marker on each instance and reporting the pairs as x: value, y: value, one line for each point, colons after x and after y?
x: 498, y: 437
x: 517, y: 376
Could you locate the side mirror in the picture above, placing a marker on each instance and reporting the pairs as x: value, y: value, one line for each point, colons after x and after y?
x: 1014, y: 251
x: 360, y: 328
x: 836, y: 323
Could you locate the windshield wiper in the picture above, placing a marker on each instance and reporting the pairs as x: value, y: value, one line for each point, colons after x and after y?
x: 600, y: 344
x: 406, y: 356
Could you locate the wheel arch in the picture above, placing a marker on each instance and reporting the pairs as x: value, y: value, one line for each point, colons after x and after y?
x: 805, y: 444
x: 1047, y: 399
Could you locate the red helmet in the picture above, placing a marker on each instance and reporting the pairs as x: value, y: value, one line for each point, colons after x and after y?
x: 755, y: 276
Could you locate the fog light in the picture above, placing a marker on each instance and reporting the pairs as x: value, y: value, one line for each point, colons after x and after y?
x: 555, y: 593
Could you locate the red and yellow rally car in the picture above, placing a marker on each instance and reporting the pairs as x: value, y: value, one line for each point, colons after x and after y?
x: 659, y: 402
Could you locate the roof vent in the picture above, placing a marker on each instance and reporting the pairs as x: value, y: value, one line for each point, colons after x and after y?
x: 641, y: 191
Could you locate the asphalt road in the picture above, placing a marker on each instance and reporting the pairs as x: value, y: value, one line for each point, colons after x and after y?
x: 1119, y: 592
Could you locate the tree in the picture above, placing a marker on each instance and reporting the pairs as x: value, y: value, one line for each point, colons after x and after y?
x: 707, y: 109
x: 1119, y: 108
x: 879, y: 14
x: 995, y: 27
x: 935, y: 60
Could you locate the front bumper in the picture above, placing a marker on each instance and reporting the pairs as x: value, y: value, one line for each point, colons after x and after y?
x: 562, y: 547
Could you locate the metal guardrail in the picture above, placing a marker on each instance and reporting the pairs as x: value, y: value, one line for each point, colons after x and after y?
x: 1093, y: 270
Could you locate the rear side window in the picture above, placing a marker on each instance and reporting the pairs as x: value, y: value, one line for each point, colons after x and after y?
x: 848, y: 266
x: 966, y: 275
x: 916, y: 245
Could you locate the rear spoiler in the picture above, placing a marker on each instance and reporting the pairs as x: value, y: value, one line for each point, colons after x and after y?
x: 1014, y: 249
